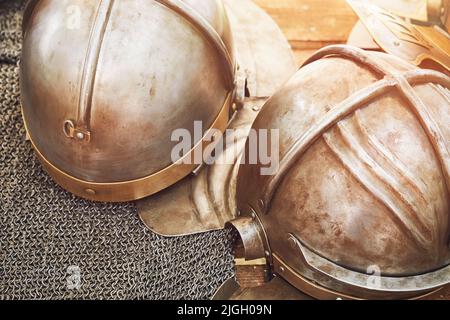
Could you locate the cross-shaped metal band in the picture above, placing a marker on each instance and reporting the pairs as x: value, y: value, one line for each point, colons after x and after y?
x: 403, y: 82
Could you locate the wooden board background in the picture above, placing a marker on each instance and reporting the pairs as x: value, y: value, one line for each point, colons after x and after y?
x: 311, y: 24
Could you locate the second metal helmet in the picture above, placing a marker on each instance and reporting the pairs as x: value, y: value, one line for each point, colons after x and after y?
x: 360, y: 205
x: 104, y: 83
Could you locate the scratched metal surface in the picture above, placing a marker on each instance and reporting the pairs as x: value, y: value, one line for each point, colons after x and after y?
x: 56, y: 246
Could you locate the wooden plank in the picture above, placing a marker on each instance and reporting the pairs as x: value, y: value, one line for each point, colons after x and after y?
x: 312, y: 20
x: 247, y: 274
x: 311, y: 24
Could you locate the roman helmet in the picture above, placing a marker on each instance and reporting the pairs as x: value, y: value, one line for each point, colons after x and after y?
x: 416, y: 31
x: 104, y: 84
x: 360, y: 205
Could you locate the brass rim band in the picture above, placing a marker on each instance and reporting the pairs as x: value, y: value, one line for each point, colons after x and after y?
x: 134, y: 189
x: 304, y: 284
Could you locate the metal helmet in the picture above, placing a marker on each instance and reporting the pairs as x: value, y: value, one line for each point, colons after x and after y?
x: 360, y: 204
x: 416, y: 31
x: 104, y: 83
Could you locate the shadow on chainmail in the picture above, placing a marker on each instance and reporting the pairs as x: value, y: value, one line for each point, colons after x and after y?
x: 56, y: 246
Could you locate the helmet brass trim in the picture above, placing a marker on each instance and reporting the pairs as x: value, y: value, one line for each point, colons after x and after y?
x: 134, y: 189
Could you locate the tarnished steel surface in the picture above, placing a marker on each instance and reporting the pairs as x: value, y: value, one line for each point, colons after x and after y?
x: 104, y: 83
x: 276, y: 289
x: 417, y: 43
x: 207, y: 200
x: 363, y: 180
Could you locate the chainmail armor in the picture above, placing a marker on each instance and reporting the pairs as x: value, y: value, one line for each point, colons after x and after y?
x: 56, y: 246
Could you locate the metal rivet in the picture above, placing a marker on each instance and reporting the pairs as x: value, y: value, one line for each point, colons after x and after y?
x: 267, y: 253
x: 253, y: 215
x: 282, y: 269
x: 90, y: 192
x: 80, y: 136
x: 256, y: 109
